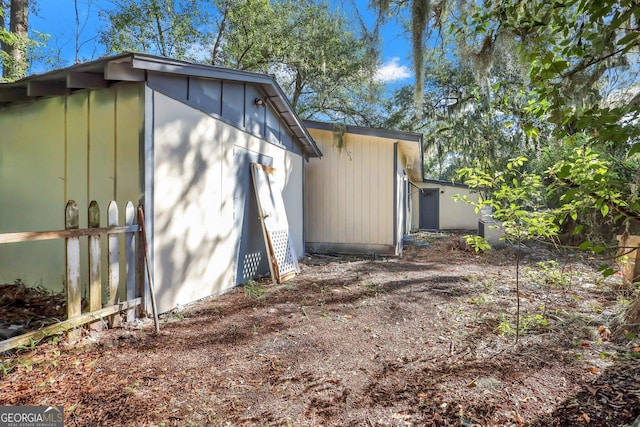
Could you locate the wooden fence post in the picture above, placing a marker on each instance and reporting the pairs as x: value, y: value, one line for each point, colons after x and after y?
x: 72, y: 234
x: 72, y: 244
x: 129, y: 249
x: 142, y: 310
x: 95, y: 269
x: 114, y: 261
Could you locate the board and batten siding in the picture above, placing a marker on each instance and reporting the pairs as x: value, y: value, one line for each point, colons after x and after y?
x: 84, y: 146
x: 349, y: 195
x: 233, y: 102
x: 196, y: 240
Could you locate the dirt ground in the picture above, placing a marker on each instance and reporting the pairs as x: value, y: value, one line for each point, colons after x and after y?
x: 422, y: 340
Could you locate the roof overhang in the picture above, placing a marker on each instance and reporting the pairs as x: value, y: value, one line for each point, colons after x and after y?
x: 133, y: 67
x: 409, y: 144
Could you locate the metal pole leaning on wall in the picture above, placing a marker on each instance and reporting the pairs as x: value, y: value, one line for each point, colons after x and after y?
x: 145, y: 248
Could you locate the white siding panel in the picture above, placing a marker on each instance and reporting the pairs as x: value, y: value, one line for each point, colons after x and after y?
x: 129, y: 118
x: 191, y: 258
x: 360, y: 193
x: 77, y: 148
x: 457, y: 215
x: 255, y: 115
x: 349, y: 193
x: 233, y: 103
x: 102, y: 147
x: 206, y: 94
x: 58, y: 149
x: 77, y: 126
x: 32, y: 181
x: 292, y: 195
x: 452, y: 215
x: 195, y: 239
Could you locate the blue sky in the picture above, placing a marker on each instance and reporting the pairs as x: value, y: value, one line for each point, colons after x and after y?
x: 57, y: 18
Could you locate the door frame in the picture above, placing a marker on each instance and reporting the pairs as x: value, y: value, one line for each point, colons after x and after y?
x: 429, y: 208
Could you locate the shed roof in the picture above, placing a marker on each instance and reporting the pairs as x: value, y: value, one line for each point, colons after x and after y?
x: 133, y: 67
x: 410, y: 143
x: 444, y: 183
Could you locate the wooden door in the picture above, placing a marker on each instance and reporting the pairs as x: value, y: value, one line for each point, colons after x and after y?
x: 282, y: 258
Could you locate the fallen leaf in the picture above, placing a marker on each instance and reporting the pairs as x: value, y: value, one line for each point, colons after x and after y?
x: 604, y: 332
x: 593, y: 369
x: 348, y: 316
x: 472, y: 384
x: 636, y: 349
x: 586, y: 418
x: 422, y: 394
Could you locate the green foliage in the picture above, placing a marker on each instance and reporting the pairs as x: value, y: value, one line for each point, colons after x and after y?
x: 518, y: 200
x: 533, y: 322
x: 478, y: 243
x: 323, y: 66
x: 586, y: 179
x: 583, y: 65
x: 170, y: 28
x: 253, y: 289
x: 583, y: 70
x: 338, y: 133
x: 133, y: 388
x: 318, y: 60
x: 16, y: 48
x: 528, y: 323
x: 505, y: 328
x: 467, y: 122
x: 549, y: 273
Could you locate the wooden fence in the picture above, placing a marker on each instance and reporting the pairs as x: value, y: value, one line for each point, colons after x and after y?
x: 97, y: 309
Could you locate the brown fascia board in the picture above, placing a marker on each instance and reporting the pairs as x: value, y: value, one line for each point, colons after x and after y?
x: 13, y: 94
x: 123, y: 71
x: 77, y: 80
x: 47, y: 88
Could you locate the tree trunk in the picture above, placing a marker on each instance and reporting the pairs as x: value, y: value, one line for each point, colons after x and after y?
x: 221, y: 29
x: 631, y: 323
x: 18, y: 26
x: 3, y: 46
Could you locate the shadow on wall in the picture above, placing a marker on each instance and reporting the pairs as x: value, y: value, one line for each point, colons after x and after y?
x: 193, y: 232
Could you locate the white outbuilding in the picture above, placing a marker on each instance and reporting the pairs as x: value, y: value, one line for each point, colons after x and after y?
x: 175, y: 136
x: 357, y: 197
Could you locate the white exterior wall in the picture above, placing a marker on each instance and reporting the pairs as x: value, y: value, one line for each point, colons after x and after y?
x: 401, y: 202
x: 414, y: 195
x: 194, y: 245
x: 82, y: 147
x: 349, y: 193
x: 452, y: 215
